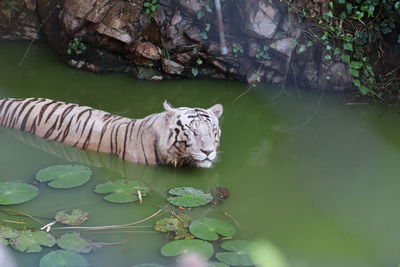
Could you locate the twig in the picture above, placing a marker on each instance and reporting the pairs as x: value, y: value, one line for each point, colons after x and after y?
x: 24, y: 214
x: 117, y: 226
x: 233, y: 219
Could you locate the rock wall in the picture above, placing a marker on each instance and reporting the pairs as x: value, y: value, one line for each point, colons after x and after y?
x: 168, y: 39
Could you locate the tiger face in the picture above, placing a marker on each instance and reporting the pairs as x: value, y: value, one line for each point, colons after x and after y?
x: 193, y: 135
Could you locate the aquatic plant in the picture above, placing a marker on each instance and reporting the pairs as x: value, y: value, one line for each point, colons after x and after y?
x: 188, y: 197
x: 76, y: 217
x: 16, y: 192
x: 62, y: 258
x: 209, y: 228
x: 178, y: 247
x: 31, y: 241
x: 74, y: 242
x: 238, y: 254
x: 64, y: 176
x: 123, y: 191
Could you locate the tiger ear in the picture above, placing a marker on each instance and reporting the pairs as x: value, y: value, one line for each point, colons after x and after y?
x: 217, y: 109
x: 169, y: 109
x: 167, y: 106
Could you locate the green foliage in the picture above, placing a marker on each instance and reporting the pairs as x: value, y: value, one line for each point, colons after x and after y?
x: 75, y: 243
x: 237, y: 49
x: 354, y: 28
x: 28, y: 241
x: 262, y: 53
x: 195, y: 72
x: 150, y: 7
x: 16, y: 192
x: 178, y: 247
x: 62, y: 258
x: 177, y: 226
x: 123, y: 191
x: 64, y: 176
x: 76, y: 217
x: 76, y: 47
x: 189, y: 197
x: 209, y: 228
x: 238, y: 254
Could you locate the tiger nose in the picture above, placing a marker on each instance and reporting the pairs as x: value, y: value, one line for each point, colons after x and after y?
x: 207, y: 152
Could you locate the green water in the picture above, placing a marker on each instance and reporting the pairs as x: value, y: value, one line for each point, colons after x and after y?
x: 313, y: 175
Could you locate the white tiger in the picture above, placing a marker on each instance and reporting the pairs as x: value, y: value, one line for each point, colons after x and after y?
x: 177, y: 136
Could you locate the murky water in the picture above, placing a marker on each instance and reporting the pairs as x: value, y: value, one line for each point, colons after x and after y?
x: 317, y: 177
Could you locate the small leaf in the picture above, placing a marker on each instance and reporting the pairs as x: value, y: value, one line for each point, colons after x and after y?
x: 195, y: 72
x: 28, y: 241
x: 74, y: 242
x: 346, y: 58
x: 356, y: 65
x: 16, y: 192
x: 189, y: 197
x: 76, y: 217
x: 200, y: 15
x: 199, y: 61
x: 357, y: 83
x: 122, y: 191
x: 348, y: 46
x: 238, y: 255
x: 62, y: 258
x: 208, y: 228
x: 64, y: 176
x: 203, y: 35
x: 178, y: 247
x: 8, y: 232
x: 354, y: 72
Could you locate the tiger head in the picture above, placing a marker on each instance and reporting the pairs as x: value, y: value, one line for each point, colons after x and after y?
x: 192, y: 136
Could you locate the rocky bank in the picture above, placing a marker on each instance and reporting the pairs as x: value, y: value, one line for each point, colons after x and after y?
x: 170, y: 39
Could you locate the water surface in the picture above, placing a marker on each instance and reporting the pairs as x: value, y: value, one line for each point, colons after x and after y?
x: 307, y: 171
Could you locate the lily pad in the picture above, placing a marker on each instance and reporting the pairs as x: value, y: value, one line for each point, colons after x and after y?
x: 178, y: 247
x: 76, y: 217
x: 74, y: 242
x: 238, y: 255
x: 122, y: 191
x: 208, y: 228
x: 3, y: 242
x: 16, y: 192
x: 62, y: 258
x: 28, y: 241
x: 64, y: 176
x: 189, y: 197
x: 8, y: 232
x: 177, y: 226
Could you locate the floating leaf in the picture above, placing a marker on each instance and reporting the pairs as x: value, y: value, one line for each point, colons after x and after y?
x: 3, y: 241
x: 62, y: 258
x: 189, y: 197
x: 177, y: 226
x: 178, y: 247
x: 64, y: 176
x: 76, y: 217
x: 208, y: 228
x: 16, y: 192
x: 238, y: 255
x: 74, y: 242
x: 122, y: 191
x: 28, y: 241
x: 8, y: 232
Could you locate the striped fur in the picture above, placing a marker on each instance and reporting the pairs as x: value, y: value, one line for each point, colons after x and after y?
x: 176, y: 136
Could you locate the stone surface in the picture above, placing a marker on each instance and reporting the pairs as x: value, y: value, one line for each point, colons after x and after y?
x: 172, y: 67
x: 260, y: 18
x: 149, y: 50
x: 284, y: 46
x: 192, y: 6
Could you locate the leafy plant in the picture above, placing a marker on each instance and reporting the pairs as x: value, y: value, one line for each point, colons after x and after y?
x: 76, y: 47
x: 6, y: 233
x: 189, y: 197
x: 262, y: 53
x: 178, y: 226
x: 64, y: 176
x: 151, y: 7
x: 123, y: 191
x: 178, y: 247
x: 28, y: 241
x: 238, y: 254
x: 16, y: 192
x: 62, y: 258
x: 76, y: 217
x: 209, y: 228
x: 237, y: 49
x: 195, y: 72
x: 74, y: 242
